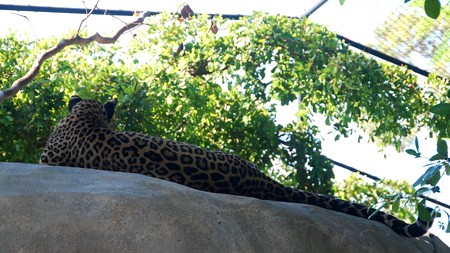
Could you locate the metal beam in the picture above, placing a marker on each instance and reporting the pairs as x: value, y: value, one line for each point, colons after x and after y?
x: 314, y: 9
x: 14, y: 7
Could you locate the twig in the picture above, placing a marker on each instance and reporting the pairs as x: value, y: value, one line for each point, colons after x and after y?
x: 87, y: 16
x: 29, y: 22
x: 76, y: 40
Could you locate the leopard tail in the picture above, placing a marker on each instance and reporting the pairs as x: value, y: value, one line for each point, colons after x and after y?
x: 279, y: 192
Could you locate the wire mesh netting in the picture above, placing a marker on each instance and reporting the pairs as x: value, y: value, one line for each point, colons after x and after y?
x: 417, y: 39
x: 398, y: 29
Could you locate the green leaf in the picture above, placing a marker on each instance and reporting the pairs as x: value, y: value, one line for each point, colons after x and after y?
x: 412, y: 152
x: 416, y: 142
x: 441, y: 109
x: 431, y: 171
x: 377, y: 210
x: 421, y: 191
x: 396, y: 204
x: 341, y: 2
x: 436, y: 157
x: 434, y: 179
x: 442, y: 149
x: 447, y: 169
x: 432, y: 8
x: 424, y: 215
x: 436, y: 189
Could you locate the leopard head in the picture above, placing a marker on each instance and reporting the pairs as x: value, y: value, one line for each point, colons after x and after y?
x: 101, y: 115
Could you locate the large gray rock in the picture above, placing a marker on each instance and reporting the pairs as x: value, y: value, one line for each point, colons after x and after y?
x: 61, y: 209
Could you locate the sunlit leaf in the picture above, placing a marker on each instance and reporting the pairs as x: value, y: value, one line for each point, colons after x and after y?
x: 396, y: 205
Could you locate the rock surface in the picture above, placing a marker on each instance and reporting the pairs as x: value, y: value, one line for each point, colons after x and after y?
x: 62, y: 209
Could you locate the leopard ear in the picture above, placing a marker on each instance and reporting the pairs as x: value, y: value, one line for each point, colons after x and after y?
x: 109, y: 107
x: 73, y: 101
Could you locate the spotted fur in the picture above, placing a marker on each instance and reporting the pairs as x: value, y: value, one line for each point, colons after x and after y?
x: 86, y: 138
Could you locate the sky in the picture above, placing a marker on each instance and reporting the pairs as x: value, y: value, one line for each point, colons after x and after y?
x: 346, y: 20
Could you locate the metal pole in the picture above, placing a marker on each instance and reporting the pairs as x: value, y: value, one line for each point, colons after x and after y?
x: 314, y: 9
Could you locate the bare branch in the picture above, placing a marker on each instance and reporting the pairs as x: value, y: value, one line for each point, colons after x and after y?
x: 75, y: 40
x: 87, y: 16
x: 29, y: 22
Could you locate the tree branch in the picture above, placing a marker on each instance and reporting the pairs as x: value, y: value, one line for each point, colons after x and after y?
x: 75, y: 40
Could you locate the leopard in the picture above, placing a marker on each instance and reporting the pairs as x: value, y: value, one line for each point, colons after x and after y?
x: 87, y: 138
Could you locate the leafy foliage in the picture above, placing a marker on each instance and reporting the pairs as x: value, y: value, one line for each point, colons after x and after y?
x: 428, y: 182
x: 24, y: 121
x: 359, y: 190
